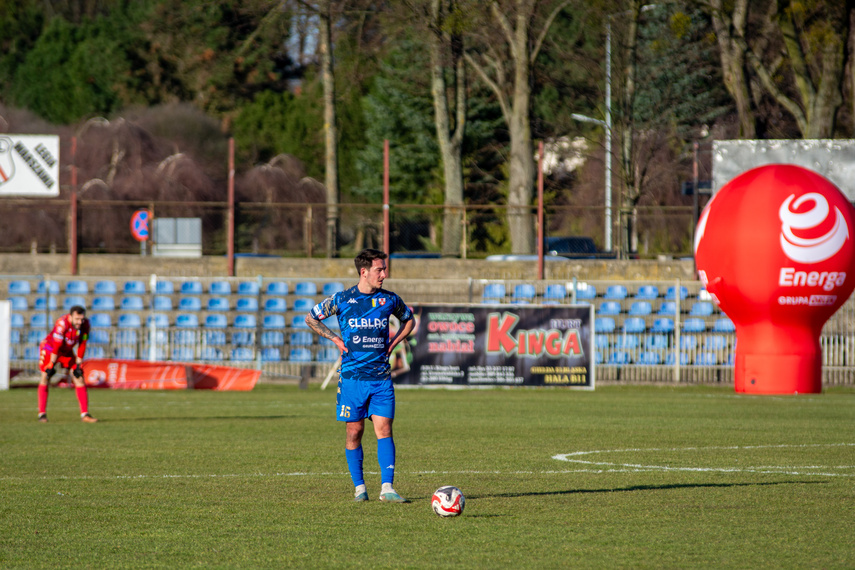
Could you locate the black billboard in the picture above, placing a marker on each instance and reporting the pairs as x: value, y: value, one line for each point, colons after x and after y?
x: 498, y: 345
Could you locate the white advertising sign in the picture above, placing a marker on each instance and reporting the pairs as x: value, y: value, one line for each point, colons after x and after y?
x: 29, y: 165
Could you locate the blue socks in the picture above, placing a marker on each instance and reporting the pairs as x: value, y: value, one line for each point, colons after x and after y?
x: 354, y: 464
x: 386, y: 458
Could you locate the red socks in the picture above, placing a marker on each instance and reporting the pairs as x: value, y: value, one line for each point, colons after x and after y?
x: 43, y: 393
x: 83, y: 398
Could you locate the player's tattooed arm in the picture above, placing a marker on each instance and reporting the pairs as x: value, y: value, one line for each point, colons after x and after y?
x: 320, y: 328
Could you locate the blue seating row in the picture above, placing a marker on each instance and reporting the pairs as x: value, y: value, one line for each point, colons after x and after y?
x: 163, y: 303
x: 138, y: 287
x: 496, y: 292
x: 182, y: 320
x: 653, y: 358
x: 207, y: 353
x: 635, y: 325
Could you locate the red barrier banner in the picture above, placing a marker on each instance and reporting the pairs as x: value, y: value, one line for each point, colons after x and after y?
x: 500, y: 345
x: 145, y: 375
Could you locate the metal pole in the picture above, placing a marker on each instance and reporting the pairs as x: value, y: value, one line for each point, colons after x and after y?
x: 72, y: 230
x: 695, y: 190
x: 540, y: 232
x: 230, y: 238
x: 608, y: 221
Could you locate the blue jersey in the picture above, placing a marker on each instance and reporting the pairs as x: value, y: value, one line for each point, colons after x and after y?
x: 364, y: 322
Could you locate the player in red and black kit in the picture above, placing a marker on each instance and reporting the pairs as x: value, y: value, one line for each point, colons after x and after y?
x: 58, y: 348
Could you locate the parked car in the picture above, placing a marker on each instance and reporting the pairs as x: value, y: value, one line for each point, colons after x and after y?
x: 574, y: 247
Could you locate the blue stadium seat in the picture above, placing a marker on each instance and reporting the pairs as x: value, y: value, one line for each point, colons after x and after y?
x: 43, y: 303
x: 76, y: 287
x: 17, y: 320
x: 184, y: 337
x: 276, y: 305
x: 161, y: 303
x: 216, y: 321
x: 332, y: 288
x: 657, y: 342
x: 242, y: 355
x: 300, y: 355
x: 731, y: 359
x: 272, y: 338
x: 619, y: 358
x: 183, y: 353
x: 663, y: 325
x: 210, y: 353
x: 555, y: 291
x: 715, y: 342
x: 303, y: 305
x: 634, y: 325
x: 649, y: 358
x: 191, y: 288
x: 672, y: 291
x: 160, y: 320
x: 103, y: 303
x: 277, y: 288
x: 38, y: 320
x: 164, y: 288
x: 218, y: 304
x: 609, y: 308
x: 45, y: 286
x: 305, y: 289
x: 19, y: 287
x: 494, y: 291
x: 626, y: 342
x: 684, y: 359
x: 301, y: 338
x: 189, y: 304
x: 524, y: 291
x: 102, y: 320
x: 220, y: 288
x: 701, y: 309
x: 247, y: 288
x: 95, y: 351
x: 105, y: 287
x: 615, y: 292
x: 694, y: 325
x: 271, y: 355
x: 601, y: 341
x: 73, y: 300
x: 131, y: 303
x: 98, y: 336
x: 129, y: 321
x: 134, y: 287
x: 299, y: 322
x: 214, y: 337
x: 706, y: 359
x: 246, y: 304
x: 724, y: 325
x: 586, y: 292
x: 647, y: 293
x: 245, y: 322
x: 328, y: 354
x: 126, y: 336
x: 187, y: 321
x: 125, y: 352
x: 668, y: 308
x: 273, y: 321
x: 35, y: 336
x: 604, y: 324
x: 688, y: 342
x: 598, y: 357
x: 19, y: 303
x: 31, y: 353
x: 640, y: 308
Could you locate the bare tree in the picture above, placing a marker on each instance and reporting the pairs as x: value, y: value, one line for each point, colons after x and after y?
x: 504, y: 63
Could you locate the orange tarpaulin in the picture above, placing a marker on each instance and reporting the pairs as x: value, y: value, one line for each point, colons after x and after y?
x: 145, y: 375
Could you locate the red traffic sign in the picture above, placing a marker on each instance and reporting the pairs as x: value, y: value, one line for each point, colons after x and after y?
x: 139, y: 225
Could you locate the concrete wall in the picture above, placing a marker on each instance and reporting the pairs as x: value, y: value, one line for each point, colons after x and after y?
x: 108, y: 265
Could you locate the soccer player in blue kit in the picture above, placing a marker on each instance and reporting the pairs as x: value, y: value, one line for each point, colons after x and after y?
x: 365, y: 385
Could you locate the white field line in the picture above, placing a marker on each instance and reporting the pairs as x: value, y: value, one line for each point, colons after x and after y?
x: 800, y: 470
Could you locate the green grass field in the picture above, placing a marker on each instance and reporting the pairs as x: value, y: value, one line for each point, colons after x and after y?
x: 645, y: 477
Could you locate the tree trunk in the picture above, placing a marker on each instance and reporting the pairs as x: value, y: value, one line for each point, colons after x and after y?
x: 631, y: 190
x: 450, y: 141
x: 330, y: 132
x: 732, y: 58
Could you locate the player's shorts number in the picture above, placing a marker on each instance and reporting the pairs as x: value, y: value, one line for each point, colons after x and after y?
x: 345, y: 412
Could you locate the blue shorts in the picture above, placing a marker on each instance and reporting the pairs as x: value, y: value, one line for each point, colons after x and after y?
x: 360, y: 399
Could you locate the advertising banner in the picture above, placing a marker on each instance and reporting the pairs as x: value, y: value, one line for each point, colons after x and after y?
x: 29, y: 165
x: 144, y: 375
x: 498, y: 345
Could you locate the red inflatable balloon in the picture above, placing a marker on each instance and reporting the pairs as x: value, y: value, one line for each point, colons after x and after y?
x: 774, y: 248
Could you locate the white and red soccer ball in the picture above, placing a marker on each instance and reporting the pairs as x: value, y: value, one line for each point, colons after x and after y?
x: 448, y: 501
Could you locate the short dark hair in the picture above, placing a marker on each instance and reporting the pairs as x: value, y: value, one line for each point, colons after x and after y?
x: 366, y: 258
x: 78, y: 310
